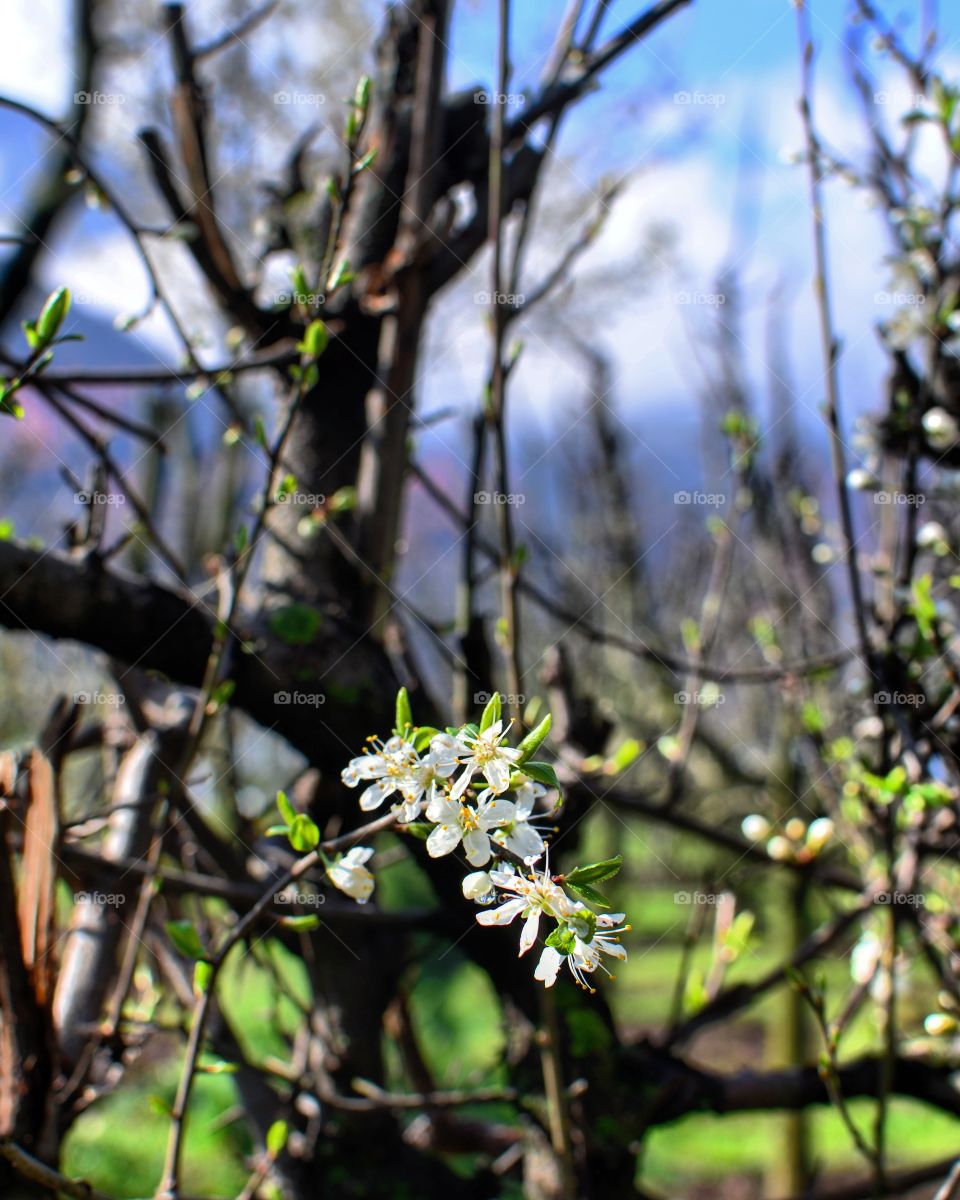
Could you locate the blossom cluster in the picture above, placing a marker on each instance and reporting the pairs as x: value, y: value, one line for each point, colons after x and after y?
x: 467, y: 791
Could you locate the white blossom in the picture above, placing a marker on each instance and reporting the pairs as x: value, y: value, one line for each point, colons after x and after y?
x: 537, y: 894
x: 484, y: 753
x: 521, y: 836
x: 585, y: 956
x: 457, y: 821
x: 350, y: 875
x: 391, y: 766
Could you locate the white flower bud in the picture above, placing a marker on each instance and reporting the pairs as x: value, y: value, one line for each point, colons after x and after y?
x: 755, y: 828
x: 930, y: 534
x: 779, y: 848
x: 478, y: 887
x: 819, y: 833
x: 940, y: 428
x: 938, y: 1024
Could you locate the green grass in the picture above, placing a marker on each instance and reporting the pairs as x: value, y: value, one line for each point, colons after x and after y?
x: 118, y: 1145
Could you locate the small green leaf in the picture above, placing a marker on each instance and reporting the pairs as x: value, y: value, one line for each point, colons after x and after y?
x: 423, y: 737
x: 185, y: 938
x: 52, y: 315
x: 303, y: 833
x: 202, y: 975
x: 276, y: 1138
x: 532, y: 742
x: 589, y: 893
x: 315, y: 339
x: 492, y: 712
x: 416, y: 829
x: 404, y: 715
x: 542, y: 772
x: 295, y: 624
x: 301, y: 924
x: 596, y: 872
x: 287, y: 811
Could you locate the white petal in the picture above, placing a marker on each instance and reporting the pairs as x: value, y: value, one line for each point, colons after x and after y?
x: 504, y: 914
x: 525, y: 841
x: 476, y: 846
x: 498, y: 774
x: 477, y: 885
x: 495, y: 812
x: 358, y: 855
x: 443, y: 810
x: 550, y: 963
x: 443, y: 839
x: 531, y: 928
x: 375, y: 795
x: 609, y: 920
x: 462, y: 783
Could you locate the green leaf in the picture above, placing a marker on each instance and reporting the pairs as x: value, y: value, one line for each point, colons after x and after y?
x: 301, y: 924
x: 276, y: 1138
x: 625, y: 756
x: 52, y: 315
x: 221, y: 693
x: 534, y: 739
x: 416, y: 829
x: 185, y: 938
x: 287, y: 811
x: 361, y: 97
x: 404, y: 715
x: 315, y: 339
x: 363, y: 163
x: 596, y: 872
x: 589, y: 893
x: 491, y: 713
x: 295, y: 624
x: 423, y: 737
x: 202, y: 975
x: 542, y: 772
x: 303, y: 833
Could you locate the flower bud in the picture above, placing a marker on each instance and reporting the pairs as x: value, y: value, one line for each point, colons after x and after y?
x: 478, y: 887
x: 820, y: 832
x: 755, y: 828
x: 938, y: 1024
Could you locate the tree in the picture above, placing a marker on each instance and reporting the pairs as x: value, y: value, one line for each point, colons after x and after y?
x: 298, y: 622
